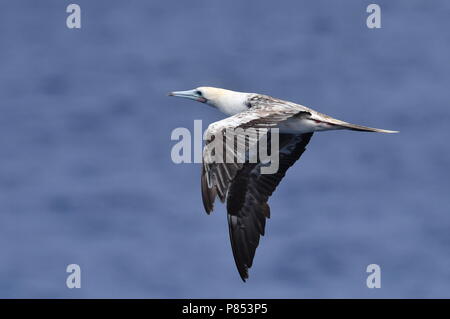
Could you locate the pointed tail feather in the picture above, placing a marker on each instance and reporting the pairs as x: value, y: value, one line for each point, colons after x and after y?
x: 318, y: 117
x: 361, y: 128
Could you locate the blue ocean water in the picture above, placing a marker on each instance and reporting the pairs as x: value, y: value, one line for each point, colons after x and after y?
x: 86, y: 175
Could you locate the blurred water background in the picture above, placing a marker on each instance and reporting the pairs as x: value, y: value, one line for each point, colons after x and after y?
x: 86, y: 175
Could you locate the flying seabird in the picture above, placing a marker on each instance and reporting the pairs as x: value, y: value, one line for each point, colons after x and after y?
x: 242, y: 185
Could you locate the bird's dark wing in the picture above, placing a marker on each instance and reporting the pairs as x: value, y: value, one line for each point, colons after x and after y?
x: 247, y: 200
x: 239, y: 181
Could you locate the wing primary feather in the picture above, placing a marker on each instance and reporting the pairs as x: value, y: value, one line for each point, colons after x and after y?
x: 208, y: 194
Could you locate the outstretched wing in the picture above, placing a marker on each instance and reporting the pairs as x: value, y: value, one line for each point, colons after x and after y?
x: 247, y: 200
x: 240, y: 182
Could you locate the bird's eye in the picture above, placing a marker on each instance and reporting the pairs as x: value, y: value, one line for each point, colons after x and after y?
x: 198, y: 92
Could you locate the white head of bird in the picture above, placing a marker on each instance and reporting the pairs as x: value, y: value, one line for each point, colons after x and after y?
x: 226, y: 101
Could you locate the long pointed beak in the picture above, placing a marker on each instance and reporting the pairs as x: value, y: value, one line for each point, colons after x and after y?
x: 189, y: 94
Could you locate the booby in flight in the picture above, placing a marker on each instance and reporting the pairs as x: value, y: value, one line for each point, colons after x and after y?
x: 243, y: 187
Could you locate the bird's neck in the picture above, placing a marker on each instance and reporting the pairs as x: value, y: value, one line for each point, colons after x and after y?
x: 231, y: 103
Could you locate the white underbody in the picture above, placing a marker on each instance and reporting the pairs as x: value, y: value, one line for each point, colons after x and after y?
x: 305, y: 125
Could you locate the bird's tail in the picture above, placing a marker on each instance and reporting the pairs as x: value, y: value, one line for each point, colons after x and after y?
x: 354, y: 127
x: 347, y: 126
